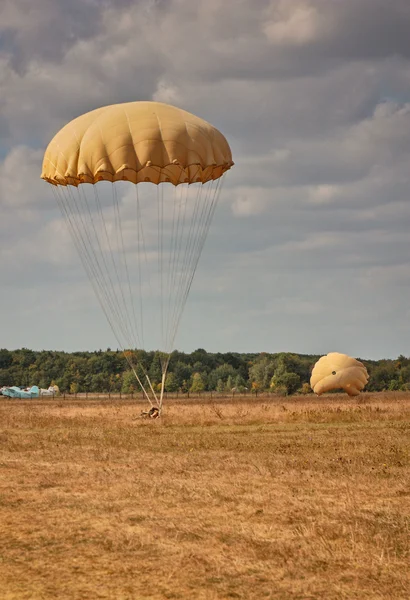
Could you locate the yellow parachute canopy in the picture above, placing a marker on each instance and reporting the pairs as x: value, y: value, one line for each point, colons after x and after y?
x: 137, y: 142
x: 338, y: 371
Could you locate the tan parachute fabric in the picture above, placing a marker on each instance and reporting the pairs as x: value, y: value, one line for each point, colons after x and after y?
x: 338, y: 371
x: 136, y: 141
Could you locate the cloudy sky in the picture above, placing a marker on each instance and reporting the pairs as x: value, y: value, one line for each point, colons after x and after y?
x: 310, y: 247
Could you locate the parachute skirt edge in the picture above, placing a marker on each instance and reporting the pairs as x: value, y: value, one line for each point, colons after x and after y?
x: 172, y: 173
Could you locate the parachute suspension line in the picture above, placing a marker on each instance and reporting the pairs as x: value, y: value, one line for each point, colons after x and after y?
x: 110, y: 282
x: 83, y: 253
x: 172, y: 251
x: 209, y: 213
x: 160, y: 224
x: 186, y: 260
x: 102, y: 286
x: 120, y: 293
x: 164, y: 361
x: 150, y: 385
x: 186, y: 263
x: 126, y: 332
x: 164, y: 375
x: 133, y: 326
x: 141, y: 246
x: 172, y: 257
x: 102, y: 273
x: 133, y: 340
x: 114, y: 285
x: 95, y: 273
x: 199, y: 207
x: 137, y: 377
x: 103, y: 276
x: 105, y: 280
x: 181, y: 199
x: 129, y: 337
x: 179, y: 206
x: 169, y: 277
x: 140, y: 242
x: 97, y: 231
x: 182, y: 202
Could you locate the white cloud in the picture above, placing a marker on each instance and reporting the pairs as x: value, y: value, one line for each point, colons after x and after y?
x: 293, y: 23
x: 324, y: 194
x: 20, y: 183
x: 166, y: 92
x: 314, y: 98
x: 250, y: 201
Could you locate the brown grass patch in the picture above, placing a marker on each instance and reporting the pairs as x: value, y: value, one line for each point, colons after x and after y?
x: 300, y: 498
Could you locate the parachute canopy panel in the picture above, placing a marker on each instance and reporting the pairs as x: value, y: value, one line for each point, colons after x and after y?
x: 338, y: 371
x: 136, y: 142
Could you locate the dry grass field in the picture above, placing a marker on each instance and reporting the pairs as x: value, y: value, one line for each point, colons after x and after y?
x: 299, y: 498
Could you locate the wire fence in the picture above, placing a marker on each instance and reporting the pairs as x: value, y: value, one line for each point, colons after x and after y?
x: 168, y: 396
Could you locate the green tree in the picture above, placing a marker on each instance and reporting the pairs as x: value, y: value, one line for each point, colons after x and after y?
x: 6, y: 358
x: 182, y: 373
x: 171, y: 383
x: 261, y: 372
x: 229, y: 384
x: 155, y: 370
x: 239, y: 384
x: 74, y: 388
x: 129, y: 383
x: 99, y: 383
x: 380, y: 376
x: 184, y: 387
x: 287, y: 381
x: 103, y: 371
x: 220, y: 386
x: 222, y: 372
x: 197, y: 385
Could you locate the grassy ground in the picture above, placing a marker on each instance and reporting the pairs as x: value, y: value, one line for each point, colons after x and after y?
x: 299, y: 498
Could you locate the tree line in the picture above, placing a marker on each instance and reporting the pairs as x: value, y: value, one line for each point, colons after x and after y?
x: 199, y: 371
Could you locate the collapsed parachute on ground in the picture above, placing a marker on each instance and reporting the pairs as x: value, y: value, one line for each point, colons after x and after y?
x: 17, y: 392
x: 338, y: 371
x: 139, y: 243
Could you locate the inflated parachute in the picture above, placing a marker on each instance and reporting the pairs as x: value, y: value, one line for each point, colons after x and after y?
x: 338, y: 371
x: 139, y: 243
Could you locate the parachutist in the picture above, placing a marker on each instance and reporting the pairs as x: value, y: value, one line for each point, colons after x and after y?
x: 153, y: 413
